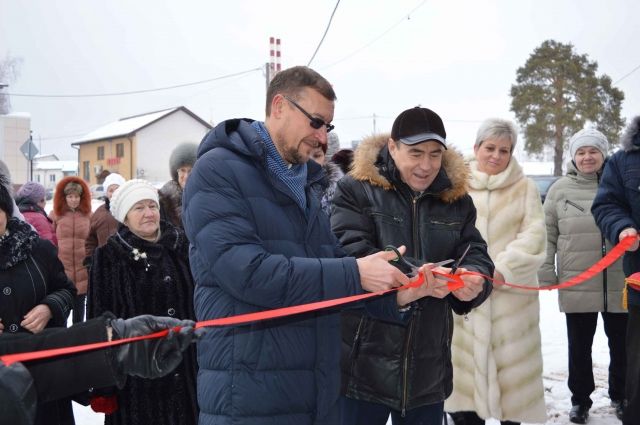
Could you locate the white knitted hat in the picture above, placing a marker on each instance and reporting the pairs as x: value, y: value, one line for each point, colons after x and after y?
x: 588, y: 137
x: 128, y: 194
x: 111, y: 179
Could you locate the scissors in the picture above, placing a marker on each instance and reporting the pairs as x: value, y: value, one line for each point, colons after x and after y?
x: 453, y: 282
x: 415, y: 270
x: 456, y: 264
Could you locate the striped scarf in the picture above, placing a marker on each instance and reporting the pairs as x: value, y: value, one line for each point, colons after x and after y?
x: 294, y: 176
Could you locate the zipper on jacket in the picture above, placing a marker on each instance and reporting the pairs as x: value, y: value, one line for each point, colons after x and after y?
x: 405, y: 367
x: 568, y: 202
x: 604, y: 273
x: 355, y: 347
x: 414, y: 219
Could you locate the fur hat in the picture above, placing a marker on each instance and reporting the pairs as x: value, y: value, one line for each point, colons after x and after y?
x: 631, y: 138
x: 59, y: 196
x: 126, y: 196
x: 344, y: 158
x: 333, y: 145
x: 6, y: 201
x: 73, y: 187
x: 31, y: 191
x: 183, y: 154
x: 111, y: 179
x: 588, y: 137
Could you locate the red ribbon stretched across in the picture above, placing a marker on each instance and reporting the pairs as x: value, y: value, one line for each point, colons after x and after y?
x: 605, y: 262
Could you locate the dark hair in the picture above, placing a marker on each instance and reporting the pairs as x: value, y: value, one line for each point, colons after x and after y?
x: 343, y: 158
x: 292, y: 80
x: 6, y: 201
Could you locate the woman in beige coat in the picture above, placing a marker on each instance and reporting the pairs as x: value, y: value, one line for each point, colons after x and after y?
x: 573, y: 236
x: 71, y: 221
x: 496, y: 350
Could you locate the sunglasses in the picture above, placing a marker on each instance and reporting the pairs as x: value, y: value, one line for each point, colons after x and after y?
x: 315, y: 122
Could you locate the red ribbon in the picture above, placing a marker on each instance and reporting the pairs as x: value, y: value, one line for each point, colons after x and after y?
x: 605, y: 262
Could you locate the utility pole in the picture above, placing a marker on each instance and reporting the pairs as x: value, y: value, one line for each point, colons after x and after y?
x: 30, y: 156
x: 374, y: 123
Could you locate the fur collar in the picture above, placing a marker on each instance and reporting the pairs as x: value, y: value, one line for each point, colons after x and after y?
x: 630, y: 140
x: 483, y: 181
x: 367, y: 167
x: 333, y: 172
x: 60, y: 203
x: 16, y: 245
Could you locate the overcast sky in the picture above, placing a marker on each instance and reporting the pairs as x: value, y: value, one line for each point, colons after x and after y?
x: 458, y: 58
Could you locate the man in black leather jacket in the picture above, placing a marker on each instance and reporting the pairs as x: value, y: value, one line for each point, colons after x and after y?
x: 407, y: 189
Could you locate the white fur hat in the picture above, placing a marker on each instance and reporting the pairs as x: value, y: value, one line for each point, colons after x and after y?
x: 128, y: 194
x: 111, y: 179
x: 588, y: 137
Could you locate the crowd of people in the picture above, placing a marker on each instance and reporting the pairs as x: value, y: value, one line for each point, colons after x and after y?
x: 269, y: 214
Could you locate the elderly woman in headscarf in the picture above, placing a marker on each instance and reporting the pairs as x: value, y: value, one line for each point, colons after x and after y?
x: 144, y: 269
x: 180, y: 165
x: 496, y: 350
x: 36, y: 293
x: 71, y: 216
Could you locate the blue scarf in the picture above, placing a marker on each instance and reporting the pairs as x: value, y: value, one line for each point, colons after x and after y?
x: 294, y: 176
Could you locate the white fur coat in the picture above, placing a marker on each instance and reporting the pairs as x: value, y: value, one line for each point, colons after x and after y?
x: 497, y: 358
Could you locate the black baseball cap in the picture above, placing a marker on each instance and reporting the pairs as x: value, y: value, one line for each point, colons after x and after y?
x: 417, y: 125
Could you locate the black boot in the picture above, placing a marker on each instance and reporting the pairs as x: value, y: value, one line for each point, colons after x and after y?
x: 618, y: 406
x: 579, y: 414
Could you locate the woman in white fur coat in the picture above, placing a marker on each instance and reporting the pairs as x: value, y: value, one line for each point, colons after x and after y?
x: 496, y: 349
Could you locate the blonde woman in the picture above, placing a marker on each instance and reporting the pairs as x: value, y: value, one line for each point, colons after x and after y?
x: 496, y: 351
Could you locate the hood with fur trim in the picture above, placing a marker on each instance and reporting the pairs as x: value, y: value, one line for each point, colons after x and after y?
x: 366, y: 161
x: 630, y: 140
x: 60, y: 203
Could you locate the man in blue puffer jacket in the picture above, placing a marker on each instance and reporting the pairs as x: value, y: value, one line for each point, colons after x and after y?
x: 616, y: 209
x: 259, y: 241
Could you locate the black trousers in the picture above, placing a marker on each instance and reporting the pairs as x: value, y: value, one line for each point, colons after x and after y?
x: 581, y: 327
x: 79, y: 308
x: 471, y: 418
x: 632, y: 410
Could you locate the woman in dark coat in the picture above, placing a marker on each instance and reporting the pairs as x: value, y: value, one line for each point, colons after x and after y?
x: 36, y: 293
x: 180, y: 165
x: 144, y: 269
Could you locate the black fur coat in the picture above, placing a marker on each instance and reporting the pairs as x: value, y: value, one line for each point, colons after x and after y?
x: 132, y: 276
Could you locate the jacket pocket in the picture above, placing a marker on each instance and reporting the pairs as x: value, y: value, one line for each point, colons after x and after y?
x: 386, y: 218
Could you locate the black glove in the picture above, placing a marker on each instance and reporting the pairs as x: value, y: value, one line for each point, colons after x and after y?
x: 151, y: 358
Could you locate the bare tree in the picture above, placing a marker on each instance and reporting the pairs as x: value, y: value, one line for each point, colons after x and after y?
x: 9, y: 71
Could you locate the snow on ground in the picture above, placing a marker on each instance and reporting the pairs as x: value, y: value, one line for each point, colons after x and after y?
x: 554, y: 352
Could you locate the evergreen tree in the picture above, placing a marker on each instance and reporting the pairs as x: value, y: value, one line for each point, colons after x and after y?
x: 556, y: 92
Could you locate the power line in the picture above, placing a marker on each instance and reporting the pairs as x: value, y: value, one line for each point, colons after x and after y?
x: 136, y: 91
x: 404, y: 18
x: 325, y: 33
x: 627, y: 74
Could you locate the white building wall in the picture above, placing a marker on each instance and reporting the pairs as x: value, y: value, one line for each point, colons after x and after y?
x: 156, y: 142
x: 14, y: 131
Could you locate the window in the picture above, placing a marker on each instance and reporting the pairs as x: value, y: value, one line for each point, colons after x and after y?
x: 86, y: 174
x: 100, y: 153
x: 52, y: 178
x: 120, y: 150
